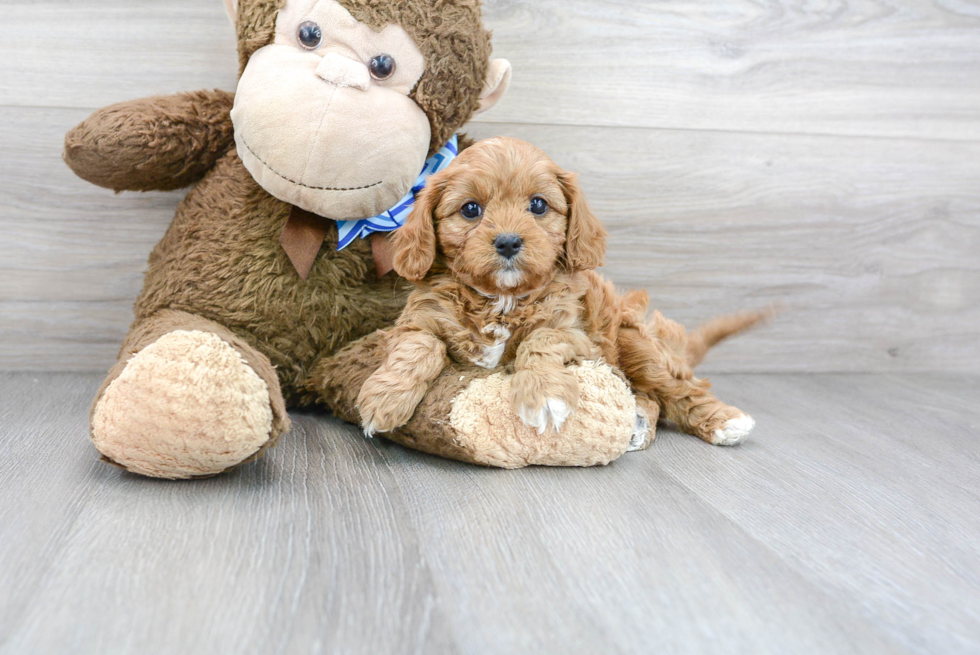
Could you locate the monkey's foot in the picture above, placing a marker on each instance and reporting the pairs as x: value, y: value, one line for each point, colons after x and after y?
x: 187, y: 405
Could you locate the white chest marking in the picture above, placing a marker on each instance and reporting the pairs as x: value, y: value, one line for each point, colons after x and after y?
x: 492, y: 354
x: 505, y: 304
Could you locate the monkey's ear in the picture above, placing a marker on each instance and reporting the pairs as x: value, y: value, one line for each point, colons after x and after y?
x: 585, y: 242
x: 498, y: 79
x: 231, y: 6
x: 414, y: 243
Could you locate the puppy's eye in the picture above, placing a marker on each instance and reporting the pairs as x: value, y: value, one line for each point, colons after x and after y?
x: 471, y: 211
x: 382, y: 67
x: 539, y: 206
x: 310, y: 35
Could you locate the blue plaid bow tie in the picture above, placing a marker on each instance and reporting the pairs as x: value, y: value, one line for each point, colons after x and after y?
x: 395, y: 217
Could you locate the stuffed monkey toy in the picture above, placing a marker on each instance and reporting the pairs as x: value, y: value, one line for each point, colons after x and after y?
x: 268, y: 288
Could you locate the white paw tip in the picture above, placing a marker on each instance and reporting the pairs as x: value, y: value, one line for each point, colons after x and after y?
x: 735, y: 431
x: 555, y: 411
x: 641, y: 434
x: 558, y: 410
x: 537, y: 420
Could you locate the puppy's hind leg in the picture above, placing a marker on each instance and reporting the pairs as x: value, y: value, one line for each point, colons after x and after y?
x: 647, y: 415
x: 659, y: 370
x: 697, y: 411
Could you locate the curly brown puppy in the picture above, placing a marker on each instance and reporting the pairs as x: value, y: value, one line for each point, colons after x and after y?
x: 502, y: 247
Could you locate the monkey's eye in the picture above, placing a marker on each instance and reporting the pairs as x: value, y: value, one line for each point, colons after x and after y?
x: 471, y: 211
x: 382, y: 67
x: 539, y: 206
x: 310, y: 35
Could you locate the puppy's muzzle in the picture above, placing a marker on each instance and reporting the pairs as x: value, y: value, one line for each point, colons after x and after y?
x: 508, y: 245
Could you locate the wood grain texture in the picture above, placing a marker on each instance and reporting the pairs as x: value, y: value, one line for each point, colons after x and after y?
x: 821, y: 156
x: 90, y: 54
x: 859, y: 67
x: 846, y: 524
x: 880, y: 67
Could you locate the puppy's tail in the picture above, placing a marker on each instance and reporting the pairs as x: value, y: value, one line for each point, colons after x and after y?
x: 706, y: 336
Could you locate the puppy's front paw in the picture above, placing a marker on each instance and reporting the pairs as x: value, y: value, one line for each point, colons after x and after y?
x: 384, y: 412
x: 553, y: 411
x: 541, y: 400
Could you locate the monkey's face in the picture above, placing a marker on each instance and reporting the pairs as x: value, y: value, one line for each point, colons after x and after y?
x: 323, y: 118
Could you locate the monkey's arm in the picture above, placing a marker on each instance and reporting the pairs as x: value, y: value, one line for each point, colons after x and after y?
x: 153, y: 144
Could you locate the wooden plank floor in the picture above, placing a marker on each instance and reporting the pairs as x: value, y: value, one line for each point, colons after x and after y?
x: 848, y: 524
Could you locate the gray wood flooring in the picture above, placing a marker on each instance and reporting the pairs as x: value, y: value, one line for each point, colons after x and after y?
x: 847, y: 524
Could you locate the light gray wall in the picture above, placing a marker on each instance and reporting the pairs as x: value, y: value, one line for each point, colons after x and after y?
x: 823, y: 155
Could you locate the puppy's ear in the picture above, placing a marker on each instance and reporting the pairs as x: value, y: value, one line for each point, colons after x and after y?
x: 414, y: 243
x: 585, y: 243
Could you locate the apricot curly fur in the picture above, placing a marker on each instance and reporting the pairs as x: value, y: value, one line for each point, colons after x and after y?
x: 536, y: 312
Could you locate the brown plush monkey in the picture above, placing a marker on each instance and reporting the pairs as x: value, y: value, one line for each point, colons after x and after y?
x: 339, y: 104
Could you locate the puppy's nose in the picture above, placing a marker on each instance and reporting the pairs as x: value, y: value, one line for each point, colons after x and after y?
x: 508, y: 245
